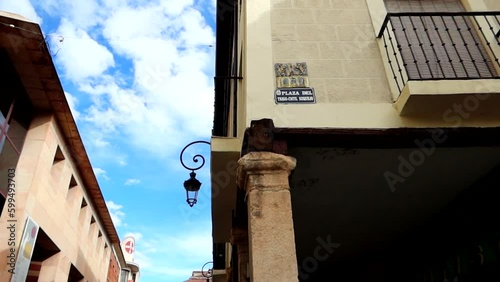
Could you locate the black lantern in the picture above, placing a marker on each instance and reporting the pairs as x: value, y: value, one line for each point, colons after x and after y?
x: 192, y: 185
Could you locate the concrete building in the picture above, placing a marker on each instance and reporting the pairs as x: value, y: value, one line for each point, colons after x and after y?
x: 54, y: 220
x: 356, y: 140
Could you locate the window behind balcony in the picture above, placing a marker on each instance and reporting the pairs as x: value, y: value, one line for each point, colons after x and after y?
x: 439, y: 46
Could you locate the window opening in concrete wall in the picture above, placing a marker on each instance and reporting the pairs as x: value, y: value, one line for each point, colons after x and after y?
x: 57, y: 165
x: 74, y: 274
x: 83, y: 210
x: 72, y: 182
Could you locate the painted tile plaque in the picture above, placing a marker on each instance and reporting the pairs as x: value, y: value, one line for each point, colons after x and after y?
x: 292, y: 84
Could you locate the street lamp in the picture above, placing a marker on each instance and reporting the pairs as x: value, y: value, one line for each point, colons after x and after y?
x: 192, y: 185
x: 209, y: 273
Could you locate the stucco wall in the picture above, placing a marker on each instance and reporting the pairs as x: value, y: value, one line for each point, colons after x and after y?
x: 492, y: 5
x: 337, y: 40
x: 479, y: 5
x: 43, y: 193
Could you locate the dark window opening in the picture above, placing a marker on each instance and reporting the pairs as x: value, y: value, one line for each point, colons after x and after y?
x: 84, y: 203
x: 59, y: 156
x: 83, y: 214
x: 72, y: 182
x: 74, y: 274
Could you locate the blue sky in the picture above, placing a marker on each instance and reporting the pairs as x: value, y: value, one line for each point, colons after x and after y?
x: 138, y: 75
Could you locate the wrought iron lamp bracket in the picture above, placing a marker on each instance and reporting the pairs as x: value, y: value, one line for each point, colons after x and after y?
x: 196, y: 157
x: 192, y: 185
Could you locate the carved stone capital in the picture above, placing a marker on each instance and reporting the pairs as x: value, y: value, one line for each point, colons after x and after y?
x: 267, y: 170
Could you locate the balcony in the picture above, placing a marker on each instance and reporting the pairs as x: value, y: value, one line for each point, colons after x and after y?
x: 435, y: 60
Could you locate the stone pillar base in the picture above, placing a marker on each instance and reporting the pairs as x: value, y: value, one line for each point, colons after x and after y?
x: 264, y: 175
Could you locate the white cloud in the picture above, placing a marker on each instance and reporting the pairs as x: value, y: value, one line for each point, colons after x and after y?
x: 165, y: 255
x: 113, y: 206
x: 137, y: 235
x: 79, y: 54
x: 194, y: 243
x: 196, y: 31
x: 21, y: 7
x: 99, y: 172
x: 103, y: 151
x: 132, y: 181
x: 72, y: 101
x: 116, y: 213
x: 84, y: 14
x: 175, y: 7
x: 214, y: 6
x: 163, y: 43
x: 94, y: 142
x: 100, y: 143
x: 148, y: 22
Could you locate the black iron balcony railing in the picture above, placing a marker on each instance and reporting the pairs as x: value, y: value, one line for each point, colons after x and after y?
x: 432, y: 46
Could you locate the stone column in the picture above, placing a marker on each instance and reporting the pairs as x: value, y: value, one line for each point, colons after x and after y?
x: 240, y: 240
x: 264, y: 176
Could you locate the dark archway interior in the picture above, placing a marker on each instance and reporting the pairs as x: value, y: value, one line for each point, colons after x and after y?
x: 440, y: 219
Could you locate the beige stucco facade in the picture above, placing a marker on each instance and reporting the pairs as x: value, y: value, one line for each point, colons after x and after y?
x: 492, y: 5
x: 45, y: 193
x: 338, y: 41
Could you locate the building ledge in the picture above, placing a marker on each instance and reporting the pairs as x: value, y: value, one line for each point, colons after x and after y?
x: 437, y: 96
x: 133, y: 266
x: 15, y: 16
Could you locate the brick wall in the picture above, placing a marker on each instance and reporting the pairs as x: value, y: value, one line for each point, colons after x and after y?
x: 113, y: 270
